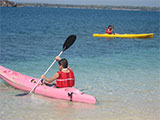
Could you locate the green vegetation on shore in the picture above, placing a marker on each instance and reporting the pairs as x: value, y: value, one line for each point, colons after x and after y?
x: 6, y: 3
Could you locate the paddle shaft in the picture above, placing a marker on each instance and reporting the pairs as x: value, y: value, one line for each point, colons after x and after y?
x: 69, y: 41
x: 45, y: 72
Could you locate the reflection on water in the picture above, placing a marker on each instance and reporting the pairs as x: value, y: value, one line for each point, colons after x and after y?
x: 39, y: 107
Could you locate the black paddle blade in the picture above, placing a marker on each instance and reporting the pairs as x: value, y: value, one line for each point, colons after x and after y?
x: 23, y: 94
x: 69, y: 41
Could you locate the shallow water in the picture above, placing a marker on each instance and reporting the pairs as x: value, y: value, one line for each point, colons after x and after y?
x: 123, y: 74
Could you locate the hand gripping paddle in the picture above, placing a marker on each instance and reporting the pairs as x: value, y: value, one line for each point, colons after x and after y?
x: 69, y: 41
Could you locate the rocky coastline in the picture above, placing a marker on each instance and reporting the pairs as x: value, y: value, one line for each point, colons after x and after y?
x: 7, y: 3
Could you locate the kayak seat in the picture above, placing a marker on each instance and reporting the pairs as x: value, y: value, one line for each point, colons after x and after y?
x: 47, y: 84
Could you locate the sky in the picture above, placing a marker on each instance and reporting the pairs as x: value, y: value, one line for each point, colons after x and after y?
x: 151, y: 3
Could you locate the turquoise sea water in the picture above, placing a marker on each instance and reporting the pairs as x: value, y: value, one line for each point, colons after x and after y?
x: 123, y: 74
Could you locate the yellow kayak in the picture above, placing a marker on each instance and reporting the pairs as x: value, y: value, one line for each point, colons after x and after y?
x: 149, y: 35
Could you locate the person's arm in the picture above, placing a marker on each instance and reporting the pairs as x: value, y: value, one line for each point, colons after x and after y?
x: 49, y: 80
x: 111, y: 30
x: 107, y: 30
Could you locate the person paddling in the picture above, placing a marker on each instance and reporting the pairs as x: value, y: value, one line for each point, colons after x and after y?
x: 109, y: 30
x: 64, y: 77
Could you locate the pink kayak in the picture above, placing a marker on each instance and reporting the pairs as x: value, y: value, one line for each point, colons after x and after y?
x: 26, y: 83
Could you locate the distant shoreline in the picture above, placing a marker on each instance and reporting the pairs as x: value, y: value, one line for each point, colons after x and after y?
x: 6, y: 3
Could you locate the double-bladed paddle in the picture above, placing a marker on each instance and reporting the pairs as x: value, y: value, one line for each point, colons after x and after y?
x: 69, y: 41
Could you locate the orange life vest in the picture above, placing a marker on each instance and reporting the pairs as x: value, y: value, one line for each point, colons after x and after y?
x: 65, y: 79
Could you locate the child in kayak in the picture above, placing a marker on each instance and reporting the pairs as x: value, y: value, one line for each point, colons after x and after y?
x: 64, y: 77
x: 109, y: 30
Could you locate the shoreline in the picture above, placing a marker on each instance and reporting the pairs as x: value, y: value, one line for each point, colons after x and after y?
x: 6, y: 3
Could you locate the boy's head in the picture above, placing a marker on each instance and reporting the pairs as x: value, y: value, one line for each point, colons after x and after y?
x: 63, y: 63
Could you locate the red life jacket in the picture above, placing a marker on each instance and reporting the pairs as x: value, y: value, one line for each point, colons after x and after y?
x: 108, y: 32
x: 65, y: 79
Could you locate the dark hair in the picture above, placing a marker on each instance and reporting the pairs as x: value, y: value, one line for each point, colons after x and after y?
x: 63, y: 62
x: 109, y: 26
